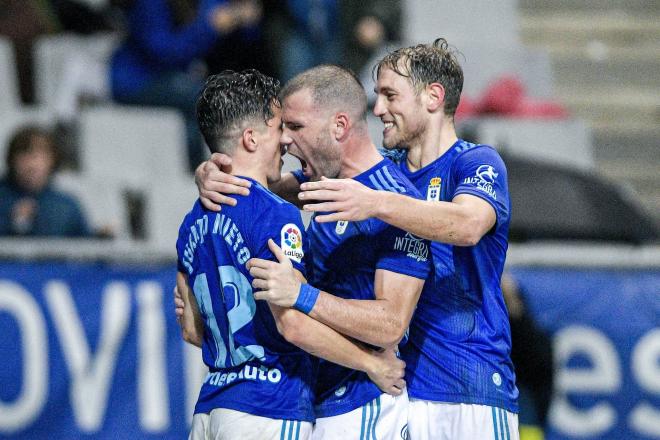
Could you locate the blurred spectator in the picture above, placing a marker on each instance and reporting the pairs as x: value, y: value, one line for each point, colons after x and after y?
x: 532, y: 357
x: 248, y: 47
x: 313, y: 37
x: 367, y: 26
x: 156, y: 63
x: 29, y: 206
x: 337, y: 32
x: 23, y: 21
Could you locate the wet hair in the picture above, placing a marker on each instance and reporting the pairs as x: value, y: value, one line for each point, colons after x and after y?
x: 333, y: 88
x: 230, y: 100
x: 23, y: 142
x: 425, y: 64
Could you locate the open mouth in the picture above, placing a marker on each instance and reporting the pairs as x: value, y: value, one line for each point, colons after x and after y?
x: 387, y: 126
x: 307, y: 171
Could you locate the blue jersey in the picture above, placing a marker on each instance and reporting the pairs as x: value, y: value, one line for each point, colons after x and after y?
x: 344, y: 259
x: 251, y: 367
x: 460, y: 342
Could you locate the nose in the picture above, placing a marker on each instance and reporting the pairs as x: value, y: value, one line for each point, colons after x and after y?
x: 379, y: 106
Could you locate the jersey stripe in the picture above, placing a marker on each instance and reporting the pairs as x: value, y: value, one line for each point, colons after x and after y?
x: 399, y: 188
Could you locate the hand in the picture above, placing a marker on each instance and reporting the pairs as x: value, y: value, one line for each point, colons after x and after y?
x: 370, y: 32
x: 388, y: 372
x: 224, y: 19
x: 179, y: 306
x: 346, y: 199
x: 213, y: 183
x: 22, y: 215
x: 277, y: 282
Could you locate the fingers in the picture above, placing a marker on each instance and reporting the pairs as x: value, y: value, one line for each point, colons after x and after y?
x: 329, y: 218
x: 323, y: 207
x: 258, y: 272
x: 260, y: 284
x: 324, y: 183
x: 394, y: 391
x: 400, y: 384
x: 220, y: 159
x: 320, y: 194
x: 209, y: 204
x: 221, y: 182
x: 260, y: 263
x: 275, y: 249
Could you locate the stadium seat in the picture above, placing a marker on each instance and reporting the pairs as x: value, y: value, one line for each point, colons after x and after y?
x: 9, y: 90
x: 102, y: 201
x: 469, y: 21
x: 137, y: 147
x: 52, y: 53
x: 165, y: 206
x: 14, y: 119
x: 565, y: 142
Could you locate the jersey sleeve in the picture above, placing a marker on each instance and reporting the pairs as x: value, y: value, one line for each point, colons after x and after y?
x: 481, y: 172
x: 283, y: 224
x: 403, y: 252
x: 184, y: 260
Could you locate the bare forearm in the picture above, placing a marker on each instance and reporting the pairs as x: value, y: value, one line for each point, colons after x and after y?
x: 370, y: 321
x: 446, y: 222
x: 323, y: 342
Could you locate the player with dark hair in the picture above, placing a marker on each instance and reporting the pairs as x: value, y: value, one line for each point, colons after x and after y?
x: 459, y: 372
x: 260, y: 381
x: 365, y: 277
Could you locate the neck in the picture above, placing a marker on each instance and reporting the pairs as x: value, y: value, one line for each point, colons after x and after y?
x: 246, y: 168
x: 358, y: 156
x: 436, y: 140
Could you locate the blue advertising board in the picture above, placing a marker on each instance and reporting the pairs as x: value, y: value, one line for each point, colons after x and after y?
x: 93, y: 351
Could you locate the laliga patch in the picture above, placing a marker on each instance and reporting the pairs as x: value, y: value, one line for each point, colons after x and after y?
x: 433, y: 191
x: 291, y: 242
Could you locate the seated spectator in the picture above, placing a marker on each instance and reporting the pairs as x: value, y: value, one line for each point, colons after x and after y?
x: 29, y: 206
x: 155, y: 65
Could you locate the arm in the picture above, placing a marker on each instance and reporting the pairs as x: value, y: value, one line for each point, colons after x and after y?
x: 215, y: 183
x: 381, y: 322
x: 461, y: 222
x: 319, y: 340
x: 192, y: 325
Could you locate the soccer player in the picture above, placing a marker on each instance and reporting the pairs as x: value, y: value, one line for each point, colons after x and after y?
x: 374, y: 272
x: 460, y: 377
x: 259, y: 385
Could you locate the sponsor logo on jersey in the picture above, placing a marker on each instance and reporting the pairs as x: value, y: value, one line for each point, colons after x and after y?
x: 414, y: 247
x: 341, y: 226
x: 433, y: 191
x: 291, y: 242
x: 483, y: 179
x: 248, y: 372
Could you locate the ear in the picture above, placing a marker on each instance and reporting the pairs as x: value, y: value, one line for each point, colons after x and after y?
x: 436, y: 97
x: 343, y: 124
x: 249, y: 140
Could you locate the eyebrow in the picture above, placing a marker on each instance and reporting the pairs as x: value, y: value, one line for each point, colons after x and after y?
x: 384, y: 89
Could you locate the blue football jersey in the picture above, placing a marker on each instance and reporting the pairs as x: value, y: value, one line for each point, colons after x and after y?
x: 252, y: 368
x: 459, y: 347
x: 344, y: 259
